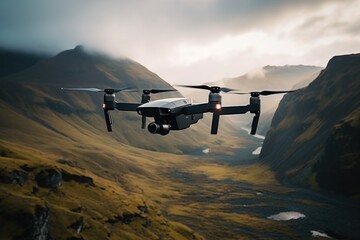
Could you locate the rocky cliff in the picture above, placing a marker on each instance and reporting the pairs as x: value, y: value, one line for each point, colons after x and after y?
x: 314, y: 136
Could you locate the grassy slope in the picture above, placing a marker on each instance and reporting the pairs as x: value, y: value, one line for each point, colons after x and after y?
x: 110, y: 197
x: 42, y: 128
x: 125, y: 178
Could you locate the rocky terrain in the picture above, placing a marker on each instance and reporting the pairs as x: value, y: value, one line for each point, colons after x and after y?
x: 314, y: 137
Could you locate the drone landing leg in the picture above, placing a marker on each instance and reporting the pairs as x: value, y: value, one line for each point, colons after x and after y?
x: 215, y: 122
x: 143, y: 122
x: 108, y: 120
x: 255, y: 123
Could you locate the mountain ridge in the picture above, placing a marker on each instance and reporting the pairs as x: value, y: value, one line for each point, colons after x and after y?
x: 287, y: 77
x: 306, y: 120
x: 38, y: 88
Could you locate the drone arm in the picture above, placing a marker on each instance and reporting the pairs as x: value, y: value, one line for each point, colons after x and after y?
x: 127, y: 106
x: 235, y: 110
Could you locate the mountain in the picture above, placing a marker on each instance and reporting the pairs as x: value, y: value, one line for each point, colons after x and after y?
x: 62, y: 175
x: 12, y: 61
x: 267, y: 78
x: 314, y: 138
x: 35, y: 95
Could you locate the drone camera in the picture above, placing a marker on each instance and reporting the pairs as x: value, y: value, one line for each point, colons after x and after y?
x: 158, y: 128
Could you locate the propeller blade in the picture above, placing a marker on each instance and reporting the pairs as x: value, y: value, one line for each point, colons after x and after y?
x: 161, y: 90
x: 226, y: 90
x: 84, y: 89
x: 265, y: 93
x: 205, y: 87
x: 108, y: 120
x: 116, y: 90
x: 212, y: 88
x: 154, y: 91
x: 106, y: 90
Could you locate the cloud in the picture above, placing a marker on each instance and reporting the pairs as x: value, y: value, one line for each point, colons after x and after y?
x: 201, y: 40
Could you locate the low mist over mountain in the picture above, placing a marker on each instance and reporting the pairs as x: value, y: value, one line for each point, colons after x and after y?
x: 34, y: 95
x: 286, y: 77
x: 12, y: 61
x: 315, y: 133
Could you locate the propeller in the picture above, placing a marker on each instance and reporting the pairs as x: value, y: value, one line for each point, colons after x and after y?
x: 213, y: 89
x: 109, y: 100
x: 265, y: 93
x: 255, y: 102
x: 154, y: 91
x: 146, y: 98
x: 105, y: 90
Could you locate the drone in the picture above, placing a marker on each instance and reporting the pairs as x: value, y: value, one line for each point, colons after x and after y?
x: 172, y: 114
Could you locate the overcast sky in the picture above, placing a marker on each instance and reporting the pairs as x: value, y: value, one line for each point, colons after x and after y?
x: 188, y: 41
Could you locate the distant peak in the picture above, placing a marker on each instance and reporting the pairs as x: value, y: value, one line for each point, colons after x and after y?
x: 287, y: 66
x: 79, y: 48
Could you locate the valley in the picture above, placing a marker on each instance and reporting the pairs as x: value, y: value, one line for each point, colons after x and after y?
x: 62, y: 176
x: 185, y: 197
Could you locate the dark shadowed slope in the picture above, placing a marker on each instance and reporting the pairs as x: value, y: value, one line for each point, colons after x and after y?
x: 12, y: 61
x: 314, y: 137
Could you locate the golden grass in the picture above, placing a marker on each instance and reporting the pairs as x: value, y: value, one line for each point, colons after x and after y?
x: 98, y: 204
x: 255, y: 173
